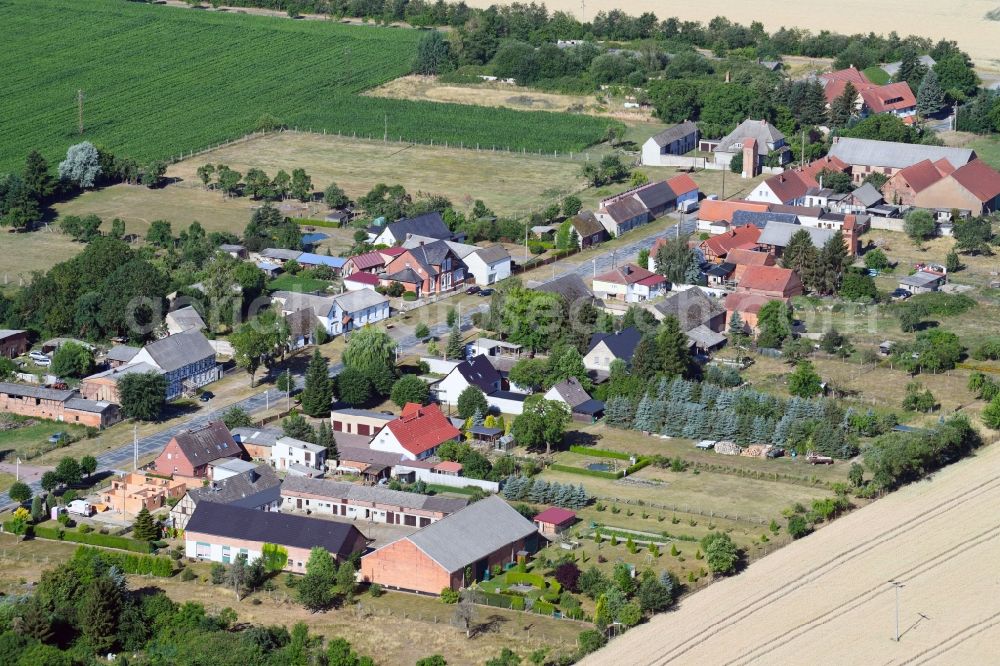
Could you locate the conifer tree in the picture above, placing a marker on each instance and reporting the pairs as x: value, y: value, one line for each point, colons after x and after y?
x: 318, y: 392
x: 145, y: 529
x: 930, y: 96
x: 644, y: 415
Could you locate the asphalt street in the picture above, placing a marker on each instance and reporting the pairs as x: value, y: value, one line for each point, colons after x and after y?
x: 120, y: 459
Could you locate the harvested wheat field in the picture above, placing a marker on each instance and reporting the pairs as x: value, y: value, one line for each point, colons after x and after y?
x: 826, y: 599
x: 962, y: 20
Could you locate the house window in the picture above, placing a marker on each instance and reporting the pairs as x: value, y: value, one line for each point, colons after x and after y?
x: 202, y: 549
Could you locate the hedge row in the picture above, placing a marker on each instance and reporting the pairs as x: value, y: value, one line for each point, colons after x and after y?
x: 642, y: 462
x: 543, y: 608
x: 92, y: 539
x: 599, y: 453
x: 517, y: 577
x: 501, y: 600
x: 583, y: 471
x: 128, y: 562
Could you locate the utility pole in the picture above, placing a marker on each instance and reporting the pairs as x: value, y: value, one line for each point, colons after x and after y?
x: 79, y: 110
x: 526, y: 239
x: 135, y: 447
x: 17, y: 470
x: 896, y: 584
x: 385, y: 134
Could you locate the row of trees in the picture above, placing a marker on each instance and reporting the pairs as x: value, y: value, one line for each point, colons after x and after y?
x: 256, y: 183
x: 539, y: 491
x: 697, y: 410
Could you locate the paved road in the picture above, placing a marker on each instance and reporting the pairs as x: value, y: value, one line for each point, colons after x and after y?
x: 121, y: 458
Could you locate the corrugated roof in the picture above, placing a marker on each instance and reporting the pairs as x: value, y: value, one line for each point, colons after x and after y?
x: 371, y: 494
x: 29, y: 391
x: 471, y: 534
x: 249, y: 489
x: 367, y: 260
x: 122, y: 353
x: 867, y: 152
x: 186, y: 318
x: 280, y: 254
x: 655, y: 195
x: 555, y: 515
x: 310, y: 259
x: 235, y: 522
x: 82, y: 405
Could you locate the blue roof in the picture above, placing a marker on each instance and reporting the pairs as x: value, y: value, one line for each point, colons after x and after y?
x: 265, y: 266
x: 758, y: 219
x: 321, y: 260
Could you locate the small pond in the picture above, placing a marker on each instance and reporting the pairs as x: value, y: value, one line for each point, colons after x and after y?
x: 599, y: 467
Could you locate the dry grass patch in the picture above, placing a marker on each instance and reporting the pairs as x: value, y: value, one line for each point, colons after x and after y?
x: 33, y: 251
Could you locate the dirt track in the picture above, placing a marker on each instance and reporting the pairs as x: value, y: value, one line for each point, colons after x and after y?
x: 826, y: 599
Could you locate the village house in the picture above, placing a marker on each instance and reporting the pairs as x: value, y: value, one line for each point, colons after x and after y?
x: 302, y: 328
x: 233, y: 250
x: 257, y: 442
x: 429, y: 268
x: 657, y: 198
x: 188, y: 453
x: 716, y: 248
x: 895, y: 98
x: 589, y: 231
x: 622, y: 216
x: 120, y: 355
x: 701, y: 317
x: 905, y: 184
x: 131, y: 493
x: 973, y: 187
x: 922, y: 282
x: 13, y: 343
x: 867, y: 156
x: 310, y: 260
x: 359, y: 280
x: 685, y: 190
x: 554, y: 521
x: 771, y: 281
x: 717, y: 216
x: 278, y: 256
x: 581, y: 406
x: 184, y: 319
x: 430, y: 225
x: 676, y: 140
x: 369, y: 262
x: 484, y: 534
x: 224, y: 468
x: 221, y: 532
x: 366, y: 503
x: 776, y: 235
x: 477, y: 371
x: 56, y: 404
x: 759, y: 142
x: 788, y: 188
x: 186, y: 359
x: 416, y: 433
x: 297, y: 457
x: 606, y: 348
x: 337, y: 314
x: 630, y: 283
x: 103, y: 386
x: 742, y: 259
x: 258, y: 489
x: 487, y: 265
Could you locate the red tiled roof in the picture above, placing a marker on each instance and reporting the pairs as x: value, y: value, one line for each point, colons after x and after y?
x: 420, y: 429
x: 682, y: 184
x: 652, y: 280
x: 945, y: 167
x: 742, y: 257
x: 769, y: 278
x: 363, y: 278
x: 555, y: 515
x: 890, y: 97
x: 627, y: 274
x: 921, y: 175
x: 980, y: 179
x: 367, y: 260
x: 448, y: 466
x: 790, y: 185
x: 741, y: 237
x: 392, y: 251
x: 722, y: 211
x: 852, y: 74
x: 828, y: 163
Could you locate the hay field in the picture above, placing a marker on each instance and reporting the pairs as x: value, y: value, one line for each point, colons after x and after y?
x: 826, y: 599
x: 962, y: 20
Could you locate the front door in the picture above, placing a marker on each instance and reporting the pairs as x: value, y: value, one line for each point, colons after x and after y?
x: 298, y: 503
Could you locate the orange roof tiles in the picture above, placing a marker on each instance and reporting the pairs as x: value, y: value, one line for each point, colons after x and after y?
x: 741, y: 237
x: 921, y: 175
x: 722, y: 211
x: 682, y: 184
x: 979, y: 179
x: 769, y: 279
x: 743, y: 257
x: 420, y: 429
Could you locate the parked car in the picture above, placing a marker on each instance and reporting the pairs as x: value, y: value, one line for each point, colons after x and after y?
x: 38, y: 356
x: 486, y: 292
x: 776, y: 452
x: 474, y: 289
x: 80, y: 507
x: 206, y: 396
x: 57, y: 437
x: 900, y: 295
x: 816, y: 459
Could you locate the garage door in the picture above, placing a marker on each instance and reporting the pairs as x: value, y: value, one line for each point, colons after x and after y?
x: 364, y: 429
x: 338, y: 426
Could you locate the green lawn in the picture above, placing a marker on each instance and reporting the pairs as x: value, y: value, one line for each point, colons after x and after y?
x: 876, y: 75
x: 289, y: 282
x: 32, y: 440
x: 988, y: 149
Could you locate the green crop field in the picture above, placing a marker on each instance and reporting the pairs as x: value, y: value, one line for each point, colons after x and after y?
x: 162, y: 81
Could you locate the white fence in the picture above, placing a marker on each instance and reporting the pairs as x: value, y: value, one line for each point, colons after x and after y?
x: 427, y: 476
